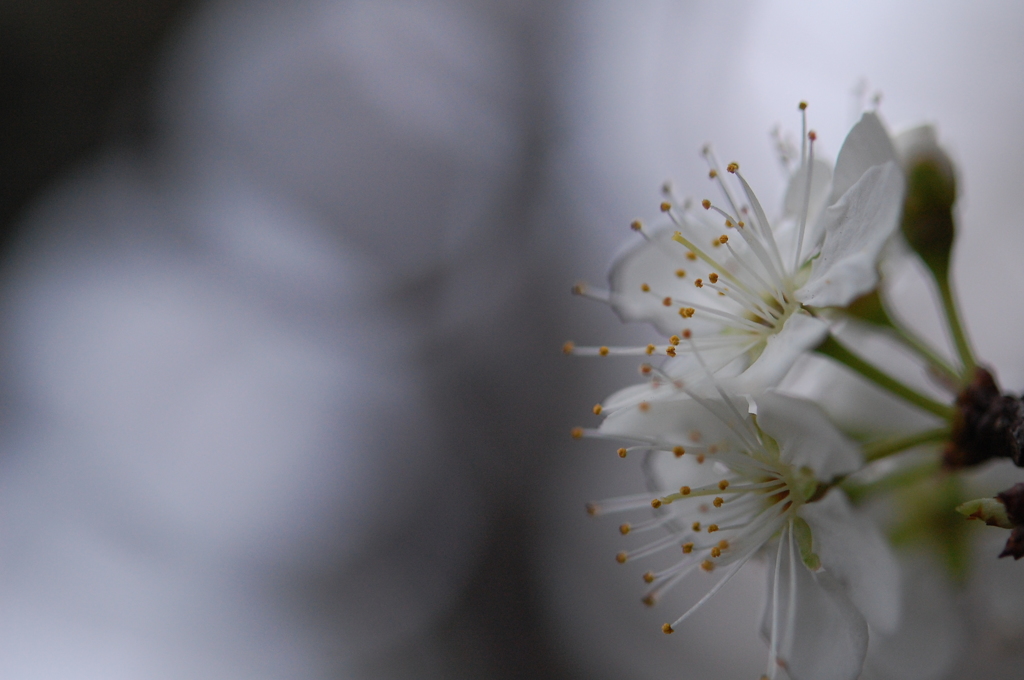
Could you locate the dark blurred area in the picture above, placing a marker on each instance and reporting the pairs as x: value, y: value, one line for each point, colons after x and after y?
x: 78, y: 77
x: 73, y: 73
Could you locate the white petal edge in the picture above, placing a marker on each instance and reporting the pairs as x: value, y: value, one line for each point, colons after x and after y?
x: 829, y: 637
x: 800, y: 332
x: 852, y: 549
x: 806, y: 436
x: 856, y: 229
x: 867, y: 144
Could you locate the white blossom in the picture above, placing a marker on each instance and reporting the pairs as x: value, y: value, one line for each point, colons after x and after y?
x: 724, y: 483
x: 743, y: 293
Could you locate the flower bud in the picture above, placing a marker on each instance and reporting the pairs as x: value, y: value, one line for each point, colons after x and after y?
x: 928, y: 223
x: 1006, y: 510
x: 991, y: 511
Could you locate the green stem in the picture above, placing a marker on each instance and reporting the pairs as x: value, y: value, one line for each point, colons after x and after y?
x: 891, y: 445
x: 956, y: 327
x: 832, y: 348
x: 858, y: 491
x: 919, y: 346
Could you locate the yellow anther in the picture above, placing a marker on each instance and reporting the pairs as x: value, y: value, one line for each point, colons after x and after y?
x: 645, y: 288
x: 643, y: 406
x: 656, y: 503
x: 716, y: 552
x: 623, y: 529
x: 597, y: 409
x: 718, y: 501
x: 674, y: 340
x: 732, y: 167
x: 679, y: 451
x: 696, y: 526
x: 700, y: 458
x: 687, y: 548
x: 666, y: 629
x: 603, y: 351
x: 645, y: 369
x: 622, y: 453
x: 724, y: 484
x: 636, y: 225
x: 568, y: 347
x: 667, y: 302
x: 728, y: 224
x: 685, y: 490
x: 690, y: 255
x: 706, y: 203
x: 723, y: 544
x: 680, y: 273
x: 713, y: 277
x: 649, y: 577
x: 592, y: 509
x: 665, y: 206
x: 740, y: 224
x: 723, y: 239
x: 578, y: 289
x: 803, y: 106
x: 648, y: 600
x: 686, y: 312
x: 620, y: 558
x: 699, y: 283
x: 686, y: 331
x: 715, y: 243
x: 713, y: 173
x: 650, y: 350
x: 712, y: 528
x: 707, y: 565
x: 577, y: 433
x: 670, y: 350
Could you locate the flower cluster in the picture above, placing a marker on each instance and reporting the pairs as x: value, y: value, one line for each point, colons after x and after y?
x: 741, y: 465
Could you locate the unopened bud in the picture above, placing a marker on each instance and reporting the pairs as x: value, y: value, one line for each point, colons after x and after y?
x: 991, y: 511
x: 928, y: 223
x: 1006, y: 511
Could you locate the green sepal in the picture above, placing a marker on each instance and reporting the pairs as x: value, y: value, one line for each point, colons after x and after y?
x: 805, y: 542
x: 869, y: 308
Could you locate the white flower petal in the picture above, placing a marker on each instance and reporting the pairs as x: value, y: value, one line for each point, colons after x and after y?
x: 866, y: 145
x: 800, y: 333
x: 653, y: 262
x: 853, y: 550
x: 805, y: 435
x: 793, y: 204
x: 931, y: 635
x: 681, y: 421
x: 828, y: 638
x: 856, y: 229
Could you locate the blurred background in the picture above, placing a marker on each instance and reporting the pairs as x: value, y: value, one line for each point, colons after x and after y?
x: 284, y: 287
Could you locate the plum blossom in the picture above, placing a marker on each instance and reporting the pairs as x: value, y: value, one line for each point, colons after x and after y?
x: 743, y: 293
x: 724, y: 484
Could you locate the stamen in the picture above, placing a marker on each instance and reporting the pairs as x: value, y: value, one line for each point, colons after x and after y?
x: 807, y: 200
